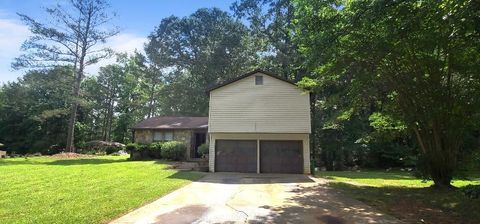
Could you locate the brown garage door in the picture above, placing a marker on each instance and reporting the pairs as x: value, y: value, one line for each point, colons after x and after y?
x: 236, y: 156
x: 281, y: 157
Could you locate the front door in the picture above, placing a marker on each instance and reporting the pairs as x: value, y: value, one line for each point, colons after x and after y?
x: 199, y: 139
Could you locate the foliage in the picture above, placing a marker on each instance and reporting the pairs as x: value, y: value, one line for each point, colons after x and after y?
x: 105, y: 188
x: 203, y: 149
x: 173, y: 150
x: 156, y: 146
x: 131, y: 146
x: 191, y: 54
x: 471, y: 191
x: 271, y: 23
x: 68, y: 38
x: 416, y: 62
x: 34, y: 115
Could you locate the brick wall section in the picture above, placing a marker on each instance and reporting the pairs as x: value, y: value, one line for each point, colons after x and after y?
x: 143, y: 136
x: 184, y: 136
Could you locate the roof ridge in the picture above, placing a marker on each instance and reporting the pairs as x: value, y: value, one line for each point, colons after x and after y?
x: 273, y: 75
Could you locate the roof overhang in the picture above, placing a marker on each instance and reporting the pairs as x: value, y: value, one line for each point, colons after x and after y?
x: 247, y: 75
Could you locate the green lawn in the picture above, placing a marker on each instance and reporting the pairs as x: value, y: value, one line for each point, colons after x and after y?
x: 406, y: 197
x: 93, y: 190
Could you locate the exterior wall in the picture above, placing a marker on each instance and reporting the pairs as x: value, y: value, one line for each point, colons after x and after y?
x: 249, y: 136
x: 143, y: 136
x: 184, y: 136
x: 274, y: 107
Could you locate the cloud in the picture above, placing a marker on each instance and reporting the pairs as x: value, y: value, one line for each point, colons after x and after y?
x: 122, y: 43
x: 12, y: 35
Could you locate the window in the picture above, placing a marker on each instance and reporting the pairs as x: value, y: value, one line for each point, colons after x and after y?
x: 162, y: 136
x: 258, y: 80
x: 168, y: 136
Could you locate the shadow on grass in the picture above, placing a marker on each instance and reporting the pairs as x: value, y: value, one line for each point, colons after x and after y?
x: 187, y: 175
x: 92, y: 161
x: 63, y: 162
x: 414, y: 204
x: 396, y: 175
x: 20, y: 162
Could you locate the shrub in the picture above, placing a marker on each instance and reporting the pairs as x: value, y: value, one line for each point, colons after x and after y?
x: 111, y: 149
x: 173, y: 150
x: 131, y: 147
x: 144, y: 150
x: 471, y: 191
x: 143, y: 147
x: 203, y: 149
x: 156, y: 146
x: 156, y: 150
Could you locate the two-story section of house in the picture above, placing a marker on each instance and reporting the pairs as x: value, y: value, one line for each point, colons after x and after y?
x: 259, y: 123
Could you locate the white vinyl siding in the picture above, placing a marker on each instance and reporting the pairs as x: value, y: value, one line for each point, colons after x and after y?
x: 273, y: 107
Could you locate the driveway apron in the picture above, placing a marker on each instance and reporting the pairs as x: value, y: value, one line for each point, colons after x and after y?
x: 255, y: 198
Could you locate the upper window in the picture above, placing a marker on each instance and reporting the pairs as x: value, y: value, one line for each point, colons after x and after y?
x: 163, y: 136
x: 258, y: 80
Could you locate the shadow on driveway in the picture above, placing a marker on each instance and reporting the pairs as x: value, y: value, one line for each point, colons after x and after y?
x: 242, y: 178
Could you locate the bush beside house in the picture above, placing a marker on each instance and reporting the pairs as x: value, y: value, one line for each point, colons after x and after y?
x: 203, y: 150
x: 171, y: 150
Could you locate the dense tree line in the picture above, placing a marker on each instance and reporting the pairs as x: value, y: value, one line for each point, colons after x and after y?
x: 392, y: 83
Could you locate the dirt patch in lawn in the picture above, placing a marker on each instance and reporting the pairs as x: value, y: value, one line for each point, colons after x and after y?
x: 412, y: 211
x: 416, y: 205
x: 70, y: 155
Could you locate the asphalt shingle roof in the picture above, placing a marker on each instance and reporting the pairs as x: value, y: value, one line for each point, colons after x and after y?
x: 173, y: 123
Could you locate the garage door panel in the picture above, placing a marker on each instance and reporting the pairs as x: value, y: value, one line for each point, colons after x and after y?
x: 281, y: 157
x: 236, y: 156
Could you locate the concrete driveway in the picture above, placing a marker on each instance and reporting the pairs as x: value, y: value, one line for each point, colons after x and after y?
x: 255, y: 198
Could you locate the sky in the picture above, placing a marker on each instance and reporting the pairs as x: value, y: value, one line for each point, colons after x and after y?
x: 136, y: 19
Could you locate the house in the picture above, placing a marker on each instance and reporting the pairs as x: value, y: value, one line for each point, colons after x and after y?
x: 259, y: 123
x: 192, y: 131
x: 3, y: 154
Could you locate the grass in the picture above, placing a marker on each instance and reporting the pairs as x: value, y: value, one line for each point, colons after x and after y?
x: 93, y: 190
x: 406, y: 197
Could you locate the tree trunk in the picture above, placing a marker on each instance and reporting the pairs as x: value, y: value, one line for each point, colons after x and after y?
x: 440, y: 153
x: 73, y: 114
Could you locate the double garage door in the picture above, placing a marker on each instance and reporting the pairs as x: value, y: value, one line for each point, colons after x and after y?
x: 273, y: 157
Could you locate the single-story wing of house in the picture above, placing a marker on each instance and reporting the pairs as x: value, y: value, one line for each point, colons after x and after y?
x: 192, y: 131
x: 257, y: 123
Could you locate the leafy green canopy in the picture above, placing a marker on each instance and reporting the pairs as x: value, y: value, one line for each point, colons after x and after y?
x: 417, y: 61
x: 193, y: 53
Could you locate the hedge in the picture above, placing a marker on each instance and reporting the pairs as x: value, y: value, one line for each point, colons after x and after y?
x: 171, y: 150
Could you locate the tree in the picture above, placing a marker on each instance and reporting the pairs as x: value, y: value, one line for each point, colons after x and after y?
x: 192, y: 53
x: 418, y: 61
x: 34, y: 111
x: 70, y: 38
x: 271, y: 35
